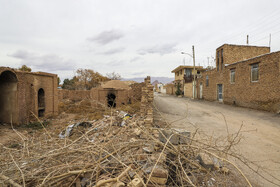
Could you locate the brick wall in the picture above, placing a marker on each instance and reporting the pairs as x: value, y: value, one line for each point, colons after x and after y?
x: 136, y: 91
x: 28, y: 85
x: 235, y: 53
x: 263, y: 94
x: 147, y: 102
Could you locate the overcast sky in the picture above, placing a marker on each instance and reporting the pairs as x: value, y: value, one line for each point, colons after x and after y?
x: 131, y: 37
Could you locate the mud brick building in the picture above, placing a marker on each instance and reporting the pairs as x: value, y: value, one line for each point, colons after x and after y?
x: 113, y: 93
x: 24, y: 93
x: 247, y: 76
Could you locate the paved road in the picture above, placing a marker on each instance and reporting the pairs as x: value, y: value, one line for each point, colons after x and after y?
x: 260, y: 130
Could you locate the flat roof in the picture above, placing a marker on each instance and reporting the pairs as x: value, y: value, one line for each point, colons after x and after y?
x: 242, y: 46
x: 186, y: 67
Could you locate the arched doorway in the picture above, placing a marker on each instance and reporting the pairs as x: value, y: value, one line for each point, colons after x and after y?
x: 111, y: 100
x: 41, y: 102
x: 8, y: 97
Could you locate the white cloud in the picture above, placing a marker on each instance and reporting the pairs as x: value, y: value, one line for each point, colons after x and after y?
x: 106, y: 37
x: 113, y: 51
x: 158, y: 49
x: 47, y: 62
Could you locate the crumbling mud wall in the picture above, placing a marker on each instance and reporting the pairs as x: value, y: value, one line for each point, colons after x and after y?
x: 25, y: 94
x: 147, y: 102
x: 74, y: 95
x: 136, y: 93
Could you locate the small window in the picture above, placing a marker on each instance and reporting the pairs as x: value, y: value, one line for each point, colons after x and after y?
x: 254, y: 72
x: 177, y: 73
x: 188, y: 72
x: 207, y: 80
x: 232, y: 76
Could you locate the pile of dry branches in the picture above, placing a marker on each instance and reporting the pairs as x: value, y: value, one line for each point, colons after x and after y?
x: 105, y: 153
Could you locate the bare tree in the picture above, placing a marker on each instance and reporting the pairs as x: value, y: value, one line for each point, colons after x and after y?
x: 114, y: 76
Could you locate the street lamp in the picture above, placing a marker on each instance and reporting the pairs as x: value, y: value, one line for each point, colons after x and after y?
x: 193, y: 57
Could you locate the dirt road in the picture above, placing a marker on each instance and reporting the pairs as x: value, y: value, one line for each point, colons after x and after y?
x: 260, y: 130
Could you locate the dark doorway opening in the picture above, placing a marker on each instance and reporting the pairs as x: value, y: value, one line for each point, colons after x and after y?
x: 111, y: 100
x: 41, y: 102
x: 8, y: 97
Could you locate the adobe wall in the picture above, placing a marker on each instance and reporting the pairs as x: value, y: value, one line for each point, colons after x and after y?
x: 235, y: 53
x: 188, y: 89
x: 170, y: 89
x: 147, y: 102
x: 136, y: 91
x: 263, y: 94
x: 100, y: 95
x: 28, y: 85
x: 74, y: 95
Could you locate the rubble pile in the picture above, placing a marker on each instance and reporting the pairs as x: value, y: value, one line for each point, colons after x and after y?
x: 108, y: 152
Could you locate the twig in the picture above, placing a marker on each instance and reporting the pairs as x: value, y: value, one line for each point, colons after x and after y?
x: 7, y: 179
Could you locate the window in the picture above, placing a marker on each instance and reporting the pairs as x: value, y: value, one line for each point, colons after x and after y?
x: 207, y: 80
x: 218, y: 63
x: 254, y: 72
x: 222, y: 58
x: 188, y: 72
x: 181, y: 72
x: 177, y: 73
x: 232, y: 76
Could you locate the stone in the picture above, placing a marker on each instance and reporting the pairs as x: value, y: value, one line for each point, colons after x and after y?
x: 159, y: 172
x: 179, y: 136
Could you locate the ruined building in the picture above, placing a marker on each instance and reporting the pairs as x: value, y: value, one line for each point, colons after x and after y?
x: 113, y: 93
x: 247, y: 76
x: 25, y: 94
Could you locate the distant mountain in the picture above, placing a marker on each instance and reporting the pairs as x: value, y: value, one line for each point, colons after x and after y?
x: 163, y: 80
x: 155, y: 82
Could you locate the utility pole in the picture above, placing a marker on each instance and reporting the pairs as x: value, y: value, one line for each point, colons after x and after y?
x: 194, y: 79
x: 247, y: 39
x: 208, y: 62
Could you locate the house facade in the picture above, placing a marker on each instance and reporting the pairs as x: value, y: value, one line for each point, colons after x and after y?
x: 184, y: 76
x: 247, y: 76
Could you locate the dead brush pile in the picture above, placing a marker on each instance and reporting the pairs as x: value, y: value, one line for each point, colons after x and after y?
x: 105, y: 153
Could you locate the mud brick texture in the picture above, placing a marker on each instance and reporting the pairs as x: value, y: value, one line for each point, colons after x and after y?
x: 19, y: 96
x: 262, y: 94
